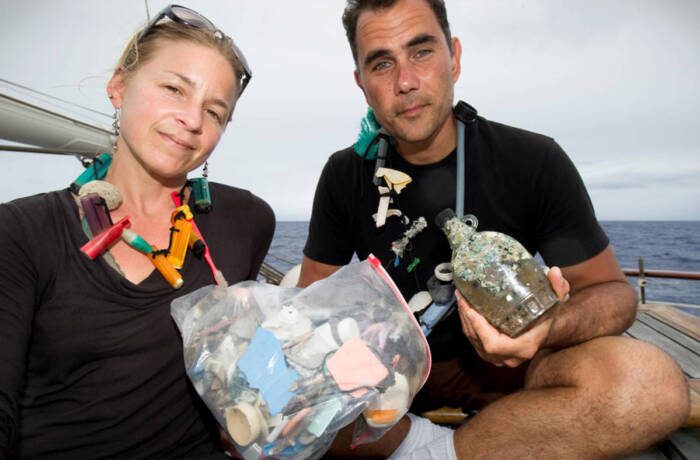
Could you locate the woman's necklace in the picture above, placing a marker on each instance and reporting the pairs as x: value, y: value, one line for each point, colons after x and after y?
x: 97, y: 198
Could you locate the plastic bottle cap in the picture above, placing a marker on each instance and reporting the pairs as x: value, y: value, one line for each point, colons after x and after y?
x: 444, y: 272
x: 443, y: 216
x: 243, y: 422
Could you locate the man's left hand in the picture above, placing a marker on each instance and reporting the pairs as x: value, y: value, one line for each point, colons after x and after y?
x: 500, y: 349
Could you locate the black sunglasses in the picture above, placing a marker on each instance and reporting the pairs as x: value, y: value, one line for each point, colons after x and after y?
x: 191, y: 18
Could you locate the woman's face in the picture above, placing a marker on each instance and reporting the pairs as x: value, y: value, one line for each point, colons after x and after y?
x: 174, y: 108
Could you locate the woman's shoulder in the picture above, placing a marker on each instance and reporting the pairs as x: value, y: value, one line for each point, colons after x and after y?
x: 241, y: 200
x: 34, y: 210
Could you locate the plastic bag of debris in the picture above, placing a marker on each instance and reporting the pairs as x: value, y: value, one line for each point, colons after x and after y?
x: 283, y: 369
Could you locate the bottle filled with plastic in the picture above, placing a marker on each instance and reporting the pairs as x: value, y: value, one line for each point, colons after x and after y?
x: 496, y: 274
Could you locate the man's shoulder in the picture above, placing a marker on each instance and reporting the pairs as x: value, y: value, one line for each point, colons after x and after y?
x: 345, y: 157
x: 343, y: 168
x: 502, y: 132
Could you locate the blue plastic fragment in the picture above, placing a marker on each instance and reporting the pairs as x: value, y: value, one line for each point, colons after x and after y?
x: 264, y: 368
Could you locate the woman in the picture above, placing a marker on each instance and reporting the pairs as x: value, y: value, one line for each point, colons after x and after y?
x: 92, y: 362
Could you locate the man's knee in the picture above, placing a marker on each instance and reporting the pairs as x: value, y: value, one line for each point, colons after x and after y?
x: 653, y: 382
x: 627, y: 378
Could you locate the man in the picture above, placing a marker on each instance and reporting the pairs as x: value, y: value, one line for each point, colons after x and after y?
x: 565, y: 388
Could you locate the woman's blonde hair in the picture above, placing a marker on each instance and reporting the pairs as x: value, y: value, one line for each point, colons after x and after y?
x: 142, y: 48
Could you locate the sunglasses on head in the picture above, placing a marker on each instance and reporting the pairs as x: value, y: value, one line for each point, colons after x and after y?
x: 191, y: 18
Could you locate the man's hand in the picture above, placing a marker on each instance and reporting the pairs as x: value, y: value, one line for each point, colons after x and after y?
x: 500, y: 349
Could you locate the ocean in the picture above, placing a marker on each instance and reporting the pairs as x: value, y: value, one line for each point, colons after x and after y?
x: 663, y: 246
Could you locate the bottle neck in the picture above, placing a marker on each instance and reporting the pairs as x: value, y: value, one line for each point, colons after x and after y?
x: 458, y: 233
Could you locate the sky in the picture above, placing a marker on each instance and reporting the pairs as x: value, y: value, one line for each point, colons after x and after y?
x: 616, y: 84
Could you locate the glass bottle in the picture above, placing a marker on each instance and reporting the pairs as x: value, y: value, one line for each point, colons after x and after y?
x: 496, y: 274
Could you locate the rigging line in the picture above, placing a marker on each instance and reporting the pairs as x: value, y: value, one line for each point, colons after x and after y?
x: 281, y: 259
x: 54, y: 98
x: 148, y: 12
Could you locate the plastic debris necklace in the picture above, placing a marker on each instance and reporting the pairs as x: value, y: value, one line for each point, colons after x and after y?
x: 96, y: 198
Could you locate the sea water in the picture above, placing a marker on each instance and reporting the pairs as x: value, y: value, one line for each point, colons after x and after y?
x: 671, y: 245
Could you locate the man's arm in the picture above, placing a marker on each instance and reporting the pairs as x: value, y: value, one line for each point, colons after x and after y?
x: 312, y: 270
x: 602, y: 303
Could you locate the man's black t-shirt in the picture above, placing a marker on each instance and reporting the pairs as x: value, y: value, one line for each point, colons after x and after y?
x: 517, y: 182
x: 92, y: 364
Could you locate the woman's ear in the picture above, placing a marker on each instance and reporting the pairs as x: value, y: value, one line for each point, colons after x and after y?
x: 115, y: 88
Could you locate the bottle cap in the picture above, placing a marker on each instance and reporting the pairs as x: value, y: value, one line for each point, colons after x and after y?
x: 243, y: 422
x: 443, y: 272
x: 443, y: 216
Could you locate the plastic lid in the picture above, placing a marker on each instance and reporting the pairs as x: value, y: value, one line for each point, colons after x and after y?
x: 443, y: 216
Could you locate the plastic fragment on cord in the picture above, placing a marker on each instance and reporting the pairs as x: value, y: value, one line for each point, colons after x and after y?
x: 94, y: 208
x: 201, y: 195
x: 96, y: 170
x: 165, y: 268
x: 180, y: 234
x: 395, y: 179
x: 136, y: 241
x: 101, y: 242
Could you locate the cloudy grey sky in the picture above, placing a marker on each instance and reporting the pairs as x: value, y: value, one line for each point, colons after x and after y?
x: 617, y: 84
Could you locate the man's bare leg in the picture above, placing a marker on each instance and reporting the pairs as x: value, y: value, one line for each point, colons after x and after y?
x: 607, y: 397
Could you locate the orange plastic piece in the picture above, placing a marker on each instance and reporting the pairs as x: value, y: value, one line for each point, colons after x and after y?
x: 181, y: 232
x: 160, y: 261
x: 381, y: 416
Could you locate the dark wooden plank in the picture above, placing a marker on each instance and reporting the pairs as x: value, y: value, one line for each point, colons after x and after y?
x: 685, y: 359
x: 651, y: 454
x: 686, y: 442
x: 694, y: 416
x: 671, y: 332
x: 681, y: 320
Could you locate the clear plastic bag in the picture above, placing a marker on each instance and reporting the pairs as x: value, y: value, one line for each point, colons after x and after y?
x: 283, y: 369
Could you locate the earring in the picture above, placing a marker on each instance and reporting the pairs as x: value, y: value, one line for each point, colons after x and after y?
x: 115, y: 128
x: 115, y: 121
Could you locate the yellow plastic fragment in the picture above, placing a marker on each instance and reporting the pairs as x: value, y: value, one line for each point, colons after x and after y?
x: 394, y: 179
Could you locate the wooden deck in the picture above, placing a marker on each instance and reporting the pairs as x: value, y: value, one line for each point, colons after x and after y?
x: 678, y: 334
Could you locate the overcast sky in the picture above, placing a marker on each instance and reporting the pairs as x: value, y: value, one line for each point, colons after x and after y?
x: 616, y: 83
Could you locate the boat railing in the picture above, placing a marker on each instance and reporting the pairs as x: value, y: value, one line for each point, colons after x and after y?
x: 270, y: 273
x: 274, y: 276
x: 641, y: 273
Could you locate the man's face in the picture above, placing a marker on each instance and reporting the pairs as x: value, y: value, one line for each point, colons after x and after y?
x: 406, y: 70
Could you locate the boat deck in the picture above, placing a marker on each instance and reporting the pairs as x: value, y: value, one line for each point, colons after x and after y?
x: 678, y: 334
